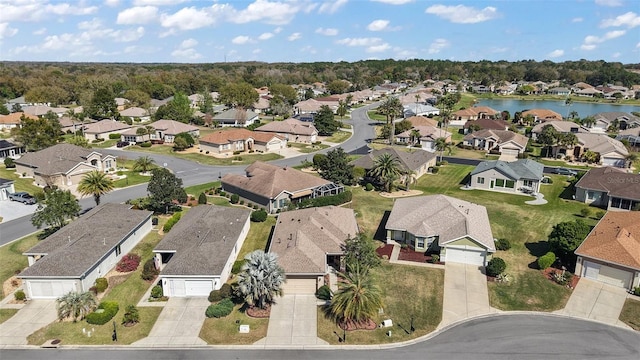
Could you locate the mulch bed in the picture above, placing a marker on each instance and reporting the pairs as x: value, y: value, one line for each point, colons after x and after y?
x: 256, y: 312
x: 351, y: 325
x: 385, y: 251
x: 407, y: 254
x: 548, y: 273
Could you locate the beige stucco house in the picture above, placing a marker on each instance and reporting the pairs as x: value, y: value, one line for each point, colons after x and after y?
x: 241, y: 140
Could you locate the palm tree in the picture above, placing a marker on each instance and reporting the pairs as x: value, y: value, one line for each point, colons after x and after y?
x: 630, y: 159
x: 573, y: 115
x: 589, y: 121
x: 75, y: 305
x: 357, y: 300
x: 261, y: 279
x: 415, y: 136
x: 387, y: 169
x: 441, y: 145
x: 391, y: 108
x: 144, y: 164
x: 95, y: 183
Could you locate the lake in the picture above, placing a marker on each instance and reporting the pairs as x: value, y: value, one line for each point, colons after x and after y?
x: 583, y: 109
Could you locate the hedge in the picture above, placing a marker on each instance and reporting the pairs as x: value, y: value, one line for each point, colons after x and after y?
x: 145, y: 145
x: 114, y: 136
x: 234, y: 198
x: 172, y: 221
x: 343, y: 197
x: 109, y: 310
x: 259, y: 215
x: 221, y: 309
x: 546, y: 260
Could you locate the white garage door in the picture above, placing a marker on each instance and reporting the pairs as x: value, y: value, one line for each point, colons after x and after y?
x: 613, y: 162
x: 466, y: 256
x: 299, y: 286
x: 607, y: 274
x: 49, y: 289
x: 198, y: 287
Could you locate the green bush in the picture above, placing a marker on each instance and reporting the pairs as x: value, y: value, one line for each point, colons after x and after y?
x: 503, y: 244
x: 324, y: 293
x: 215, y: 296
x: 343, y: 197
x: 237, y: 266
x: 636, y: 291
x: 114, y: 136
x: 546, y: 260
x: 585, y: 212
x: 600, y: 214
x: 104, y: 313
x: 149, y: 271
x: 19, y: 295
x: 435, y: 169
x: 221, y: 309
x: 9, y: 163
x: 435, y: 258
x: 234, y: 198
x: 145, y: 145
x: 156, y: 292
x: 368, y: 187
x: 131, y: 316
x: 496, y: 266
x: 171, y: 222
x: 225, y: 290
x: 202, y: 199
x: 259, y: 215
x: 101, y: 285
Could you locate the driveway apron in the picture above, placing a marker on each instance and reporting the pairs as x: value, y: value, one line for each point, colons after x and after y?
x: 293, y: 321
x: 179, y: 323
x: 596, y: 301
x: 465, y: 293
x: 33, y: 316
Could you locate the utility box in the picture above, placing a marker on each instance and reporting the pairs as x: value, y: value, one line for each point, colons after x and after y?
x: 387, y: 323
x: 244, y: 329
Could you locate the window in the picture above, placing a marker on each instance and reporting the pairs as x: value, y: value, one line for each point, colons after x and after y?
x: 499, y: 182
x: 591, y: 195
x: 107, y: 164
x: 528, y: 183
x: 118, y: 250
x: 480, y: 180
x: 510, y: 184
x: 420, y: 243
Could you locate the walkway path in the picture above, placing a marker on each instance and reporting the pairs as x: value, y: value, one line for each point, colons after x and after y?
x: 596, y: 301
x: 30, y: 318
x: 293, y: 321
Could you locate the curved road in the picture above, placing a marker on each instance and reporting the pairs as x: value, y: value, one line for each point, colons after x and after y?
x: 521, y: 336
x: 191, y: 173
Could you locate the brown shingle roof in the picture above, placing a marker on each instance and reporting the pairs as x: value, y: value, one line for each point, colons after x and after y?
x: 290, y: 126
x: 543, y: 114
x: 104, y: 126
x: 80, y: 245
x: 270, y: 180
x: 228, y: 136
x: 14, y: 118
x: 203, y: 240
x: 615, y: 239
x: 488, y: 124
x: 172, y: 127
x: 502, y: 136
x: 303, y: 238
x: 421, y: 121
x: 613, y: 181
x: 410, y: 161
x: 56, y: 159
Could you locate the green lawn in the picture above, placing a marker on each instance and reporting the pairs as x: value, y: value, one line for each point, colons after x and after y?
x: 630, y: 314
x: 414, y: 292
x: 258, y: 237
x: 133, y: 178
x: 307, y: 148
x: 225, y: 331
x: 128, y: 292
x: 105, y: 144
x: 197, y: 189
x: 12, y: 259
x: 338, y: 137
x: 6, y: 314
x: 374, y: 116
x: 205, y: 159
x: 20, y: 184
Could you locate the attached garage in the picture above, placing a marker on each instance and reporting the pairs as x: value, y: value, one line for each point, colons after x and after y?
x: 510, y: 152
x: 466, y: 255
x: 607, y: 274
x: 300, y: 285
x: 49, y: 289
x: 607, y: 161
x: 188, y: 288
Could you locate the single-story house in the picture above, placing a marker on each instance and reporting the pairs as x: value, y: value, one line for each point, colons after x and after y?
x: 610, y: 188
x: 103, y: 128
x: 542, y: 115
x: 460, y: 117
x: 292, y: 129
x: 632, y: 135
x: 196, y: 257
x: 42, y: 110
x: 417, y: 162
x: 611, y: 252
x: 236, y: 117
x: 486, y: 124
x: 136, y: 113
x: 309, y: 244
x: 229, y: 141
x: 72, y: 258
x: 6, y: 188
x: 63, y: 164
x: 121, y: 103
x: 427, y: 138
x: 14, y: 120
x: 10, y: 149
x: 421, y: 121
x: 459, y: 230
x: 560, y: 91
x: 623, y: 120
x: 563, y: 127
x: 504, y: 142
x: 611, y: 151
x: 72, y: 125
x: 273, y: 187
x: 522, y: 175
x: 166, y: 130
x: 307, y: 106
x: 418, y: 109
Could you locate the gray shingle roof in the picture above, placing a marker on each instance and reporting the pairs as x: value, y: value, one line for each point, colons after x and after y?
x: 520, y: 169
x: 613, y: 181
x: 443, y: 216
x: 409, y: 160
x: 203, y: 240
x: 80, y: 245
x: 56, y: 159
x: 303, y: 238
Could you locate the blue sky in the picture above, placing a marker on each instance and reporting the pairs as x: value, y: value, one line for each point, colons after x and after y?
x: 323, y: 30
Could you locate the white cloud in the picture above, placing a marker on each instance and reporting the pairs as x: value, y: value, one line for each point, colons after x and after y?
x: 629, y: 20
x: 186, y: 54
x: 378, y: 48
x: 256, y: 51
x: 129, y: 35
x: 378, y: 25
x: 309, y: 49
x: 331, y: 6
x: 327, y: 31
x: 359, y: 41
x: 40, y: 31
x: 188, y: 18
x: 577, y: 20
x: 587, y: 47
x: 394, y: 2
x: 590, y: 41
x: 294, y: 36
x: 241, y: 40
x: 438, y: 45
x: 6, y: 31
x: 265, y: 36
x: 112, y: 3
x: 638, y: 45
x: 615, y: 55
x: 555, y: 53
x: 277, y: 13
x: 35, y: 10
x: 137, y: 15
x: 461, y: 14
x: 611, y: 3
x: 188, y: 43
x: 157, y: 2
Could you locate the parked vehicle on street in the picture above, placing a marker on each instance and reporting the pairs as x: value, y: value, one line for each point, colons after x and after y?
x: 122, y: 144
x: 23, y: 197
x: 565, y: 171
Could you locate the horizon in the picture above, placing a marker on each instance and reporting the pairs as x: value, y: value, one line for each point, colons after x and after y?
x: 305, y: 31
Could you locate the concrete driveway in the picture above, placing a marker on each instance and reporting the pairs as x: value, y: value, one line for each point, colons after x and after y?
x: 293, y: 321
x: 179, y: 324
x: 10, y: 210
x: 31, y: 317
x: 465, y: 293
x: 596, y: 301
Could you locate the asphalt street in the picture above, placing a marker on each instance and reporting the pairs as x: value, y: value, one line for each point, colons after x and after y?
x: 190, y: 172
x: 519, y: 336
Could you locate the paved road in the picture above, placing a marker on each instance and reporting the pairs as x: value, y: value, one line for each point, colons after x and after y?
x: 522, y: 336
x: 190, y: 172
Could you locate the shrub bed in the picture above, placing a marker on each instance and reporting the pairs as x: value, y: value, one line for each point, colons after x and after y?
x: 339, y: 199
x: 128, y: 263
x: 172, y: 221
x: 109, y: 310
x: 221, y: 309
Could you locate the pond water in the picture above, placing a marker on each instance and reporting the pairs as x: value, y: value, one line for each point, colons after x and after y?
x: 583, y: 109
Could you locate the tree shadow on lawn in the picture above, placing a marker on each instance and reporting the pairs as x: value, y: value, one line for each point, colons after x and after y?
x: 381, y: 232
x: 537, y: 249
